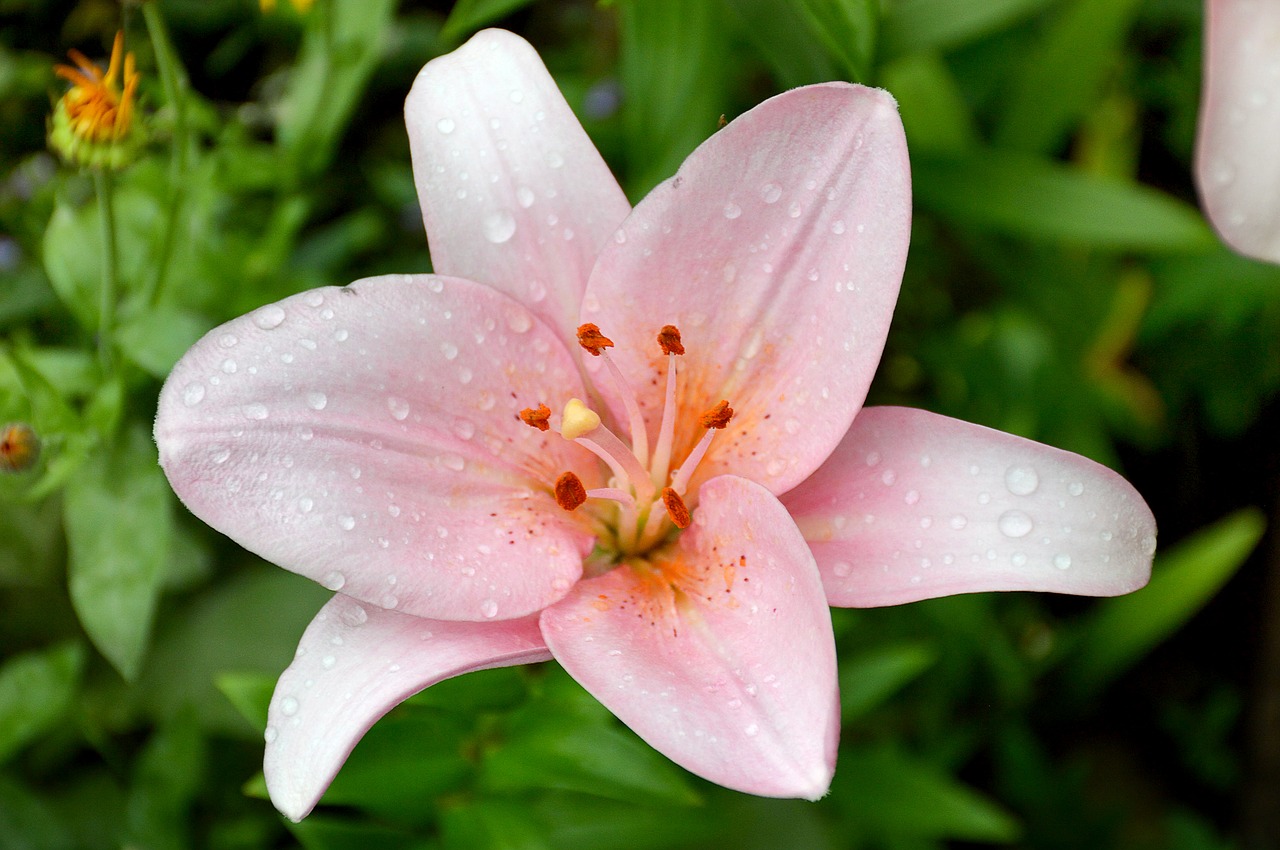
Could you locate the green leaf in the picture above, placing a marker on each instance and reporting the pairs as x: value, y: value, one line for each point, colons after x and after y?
x: 167, y: 777
x: 118, y: 513
x: 934, y: 112
x: 341, y: 48
x: 781, y: 34
x: 604, y: 761
x: 36, y: 691
x: 871, y: 677
x: 1037, y: 199
x: 467, y: 16
x: 848, y: 30
x: 492, y: 825
x: 29, y: 823
x: 250, y: 693
x: 327, y: 833
x: 578, y: 822
x: 155, y: 338
x: 72, y: 260
x: 918, y: 25
x: 1124, y: 629
x: 1062, y: 75
x: 673, y: 67
x: 891, y: 795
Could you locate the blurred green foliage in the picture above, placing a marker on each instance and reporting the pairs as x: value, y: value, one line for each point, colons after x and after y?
x: 1062, y: 285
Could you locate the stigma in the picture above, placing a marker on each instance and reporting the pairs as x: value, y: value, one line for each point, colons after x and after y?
x: 648, y: 499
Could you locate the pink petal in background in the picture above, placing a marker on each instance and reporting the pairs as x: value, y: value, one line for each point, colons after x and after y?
x: 914, y: 505
x: 1238, y: 145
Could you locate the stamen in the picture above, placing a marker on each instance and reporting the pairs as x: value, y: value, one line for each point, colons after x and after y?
x: 639, y: 436
x: 714, y: 419
x: 590, y: 338
x: 718, y: 416
x: 606, y: 446
x: 537, y: 418
x: 613, y: 494
x: 570, y: 494
x: 676, y: 508
x: 577, y: 419
x: 669, y: 340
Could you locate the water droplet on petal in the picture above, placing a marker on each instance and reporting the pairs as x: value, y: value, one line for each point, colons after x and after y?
x: 399, y: 408
x: 193, y: 394
x: 347, y: 522
x: 1062, y: 561
x: 771, y: 192
x: 1015, y: 524
x: 228, y: 340
x: 334, y: 580
x: 271, y: 734
x: 288, y: 706
x: 842, y: 568
x: 317, y: 400
x: 732, y: 210
x: 1075, y: 488
x: 524, y: 197
x: 255, y: 411
x: 219, y: 454
x: 269, y: 317
x: 354, y: 616
x: 489, y: 609
x: 445, y: 125
x: 958, y: 522
x: 328, y: 661
x: 1021, y: 480
x: 499, y: 227
x: 912, y: 497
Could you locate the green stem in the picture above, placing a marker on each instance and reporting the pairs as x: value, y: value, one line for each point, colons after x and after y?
x: 174, y: 79
x: 102, y: 185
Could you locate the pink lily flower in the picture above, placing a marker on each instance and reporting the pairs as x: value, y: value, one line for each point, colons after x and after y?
x: 665, y: 505
x: 1237, y: 167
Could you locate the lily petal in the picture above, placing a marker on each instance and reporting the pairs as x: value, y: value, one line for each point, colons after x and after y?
x: 913, y: 505
x: 367, y: 437
x: 513, y: 192
x: 1237, y: 169
x: 356, y: 663
x: 777, y: 250
x: 731, y: 674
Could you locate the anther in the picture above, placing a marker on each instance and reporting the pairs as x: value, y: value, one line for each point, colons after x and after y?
x: 590, y: 338
x: 537, y: 418
x: 717, y: 417
x: 669, y: 340
x: 676, y: 508
x: 570, y: 494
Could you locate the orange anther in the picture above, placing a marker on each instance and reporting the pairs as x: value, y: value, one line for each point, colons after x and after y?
x: 536, y: 418
x: 570, y: 494
x: 590, y: 338
x: 676, y: 508
x: 717, y: 417
x: 669, y: 340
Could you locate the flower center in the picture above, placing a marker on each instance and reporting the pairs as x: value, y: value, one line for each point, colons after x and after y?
x: 100, y: 109
x: 647, y: 500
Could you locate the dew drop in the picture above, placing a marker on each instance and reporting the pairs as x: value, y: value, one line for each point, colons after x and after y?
x: 1018, y: 559
x: 334, y: 580
x: 958, y: 522
x: 193, y: 394
x: 229, y: 366
x: 255, y: 411
x: 1015, y: 524
x: 1062, y: 561
x: 269, y: 317
x: 445, y: 125
x: 842, y: 568
x: 912, y: 497
x: 889, y: 477
x: 399, y: 408
x: 328, y: 661
x: 219, y: 454
x: 771, y: 192
x: 1021, y: 480
x: 454, y: 462
x: 499, y: 227
x: 347, y: 522
x: 270, y: 735
x: 317, y: 400
x: 228, y: 340
x: 305, y: 505
x: 837, y: 227
x: 795, y: 209
x: 732, y: 210
x: 354, y: 616
x: 524, y: 197
x: 288, y: 706
x: 752, y: 730
x: 1075, y: 488
x: 489, y: 609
